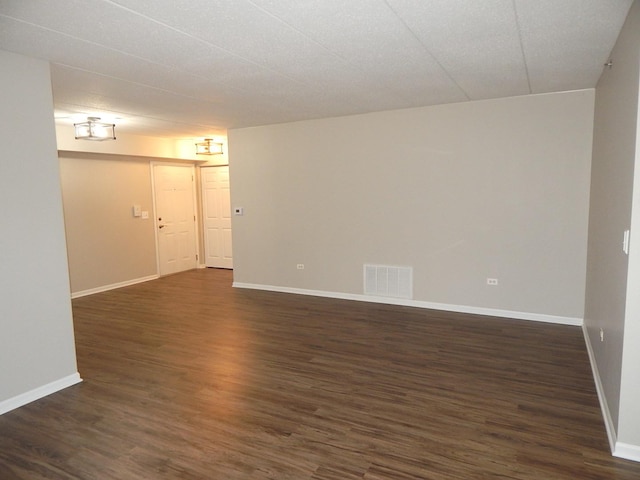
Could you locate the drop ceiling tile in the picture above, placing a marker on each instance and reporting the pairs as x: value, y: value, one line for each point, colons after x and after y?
x: 91, y: 92
x: 83, y: 56
x: 477, y: 43
x: 27, y: 39
x: 131, y: 72
x: 566, y: 43
x: 123, y: 32
x: 227, y: 24
x: 115, y: 93
x: 215, y: 63
x: 140, y: 124
x: 369, y: 36
x: 360, y: 32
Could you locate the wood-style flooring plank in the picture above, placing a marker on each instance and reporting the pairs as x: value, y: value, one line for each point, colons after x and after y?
x: 188, y: 378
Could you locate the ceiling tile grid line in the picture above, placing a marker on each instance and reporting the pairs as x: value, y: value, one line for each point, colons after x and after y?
x: 121, y: 52
x: 524, y: 54
x: 188, y: 28
x: 209, y: 64
x: 435, y: 59
x: 182, y: 32
x: 341, y: 55
x: 71, y: 17
x: 571, y: 46
x: 170, y: 106
x: 340, y: 62
x: 107, y: 25
x: 228, y: 85
x: 263, y: 65
x: 475, y: 42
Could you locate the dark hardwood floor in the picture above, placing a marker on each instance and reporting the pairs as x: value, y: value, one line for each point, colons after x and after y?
x: 188, y: 378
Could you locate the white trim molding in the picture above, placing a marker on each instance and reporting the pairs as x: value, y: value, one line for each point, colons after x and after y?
x: 604, y: 406
x: 618, y: 449
x: 627, y: 451
x: 39, y: 392
x: 113, y: 286
x: 492, y: 312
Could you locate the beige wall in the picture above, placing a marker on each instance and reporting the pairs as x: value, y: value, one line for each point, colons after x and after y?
x: 462, y: 192
x: 610, y: 210
x: 106, y: 244
x: 91, y: 174
x: 37, y: 351
x: 613, y: 279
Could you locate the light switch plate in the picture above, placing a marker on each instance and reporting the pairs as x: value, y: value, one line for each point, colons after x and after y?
x: 625, y: 242
x: 238, y: 211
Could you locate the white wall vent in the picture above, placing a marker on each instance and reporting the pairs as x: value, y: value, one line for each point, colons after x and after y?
x: 386, y: 281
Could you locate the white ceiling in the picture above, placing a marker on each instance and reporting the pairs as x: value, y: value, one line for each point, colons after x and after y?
x: 198, y: 67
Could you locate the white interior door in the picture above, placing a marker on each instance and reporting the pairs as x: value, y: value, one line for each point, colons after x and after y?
x: 216, y: 210
x: 175, y: 217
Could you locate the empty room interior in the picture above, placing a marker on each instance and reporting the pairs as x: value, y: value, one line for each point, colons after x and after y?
x: 278, y: 239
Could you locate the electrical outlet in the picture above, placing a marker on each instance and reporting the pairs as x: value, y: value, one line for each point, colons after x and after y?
x: 300, y: 266
x: 492, y: 281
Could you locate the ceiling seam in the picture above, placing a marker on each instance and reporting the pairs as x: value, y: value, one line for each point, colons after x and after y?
x: 229, y: 52
x: 306, y: 60
x: 177, y: 30
x: 133, y: 56
x: 138, y: 115
x: 524, y: 55
x: 177, y: 94
x: 320, y: 44
x: 426, y: 49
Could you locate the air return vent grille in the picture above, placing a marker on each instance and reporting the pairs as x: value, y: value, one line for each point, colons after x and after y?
x: 386, y: 281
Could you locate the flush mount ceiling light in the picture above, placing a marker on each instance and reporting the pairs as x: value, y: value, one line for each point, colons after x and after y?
x: 209, y: 147
x: 93, y: 129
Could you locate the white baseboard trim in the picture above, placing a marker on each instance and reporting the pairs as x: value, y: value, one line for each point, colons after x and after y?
x: 38, y: 393
x: 627, y: 451
x: 105, y: 288
x: 604, y: 406
x: 492, y: 312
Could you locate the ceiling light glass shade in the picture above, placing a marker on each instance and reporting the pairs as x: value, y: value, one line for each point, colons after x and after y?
x: 208, y: 147
x: 93, y: 129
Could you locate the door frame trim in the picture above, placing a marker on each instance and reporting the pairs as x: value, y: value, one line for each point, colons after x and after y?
x: 197, y: 219
x: 203, y: 264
